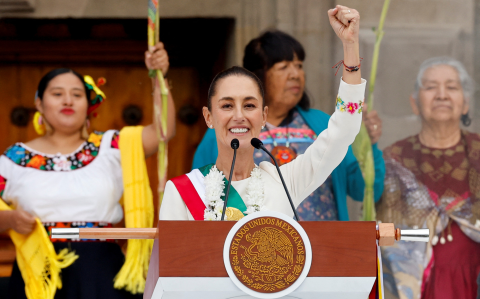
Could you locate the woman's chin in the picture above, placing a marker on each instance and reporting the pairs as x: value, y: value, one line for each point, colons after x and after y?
x: 243, y: 138
x: 67, y: 128
x: 444, y: 117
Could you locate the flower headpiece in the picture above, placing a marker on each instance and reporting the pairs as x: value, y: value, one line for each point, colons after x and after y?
x: 99, y: 97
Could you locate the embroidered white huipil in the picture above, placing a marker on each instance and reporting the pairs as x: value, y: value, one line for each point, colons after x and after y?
x: 303, y: 175
x: 90, y: 193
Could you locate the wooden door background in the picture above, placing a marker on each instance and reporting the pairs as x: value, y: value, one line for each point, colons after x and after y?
x: 112, y: 50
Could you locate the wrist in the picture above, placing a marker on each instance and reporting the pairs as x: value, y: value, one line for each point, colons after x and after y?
x: 350, y: 43
x: 351, y: 54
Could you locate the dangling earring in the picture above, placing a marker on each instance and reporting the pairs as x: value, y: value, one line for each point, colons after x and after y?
x: 38, y: 123
x: 85, y: 127
x: 263, y: 127
x: 466, y: 120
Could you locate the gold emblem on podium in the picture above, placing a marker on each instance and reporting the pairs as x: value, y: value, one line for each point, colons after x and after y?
x: 233, y: 214
x: 267, y: 254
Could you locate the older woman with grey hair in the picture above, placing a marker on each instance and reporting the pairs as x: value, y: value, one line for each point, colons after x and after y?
x: 433, y: 180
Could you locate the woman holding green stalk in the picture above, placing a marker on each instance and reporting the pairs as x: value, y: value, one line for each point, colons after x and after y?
x: 292, y: 126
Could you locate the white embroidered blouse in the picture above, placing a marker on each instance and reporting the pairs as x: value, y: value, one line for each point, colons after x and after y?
x: 85, y: 185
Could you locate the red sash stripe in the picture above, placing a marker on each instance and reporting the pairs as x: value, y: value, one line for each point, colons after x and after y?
x: 190, y: 196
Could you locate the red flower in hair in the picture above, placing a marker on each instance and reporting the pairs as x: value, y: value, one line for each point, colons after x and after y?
x: 101, y: 81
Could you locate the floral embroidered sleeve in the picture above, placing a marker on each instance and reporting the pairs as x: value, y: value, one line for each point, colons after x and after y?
x: 349, y: 107
x: 115, y: 139
x: 3, y: 183
x: 310, y: 170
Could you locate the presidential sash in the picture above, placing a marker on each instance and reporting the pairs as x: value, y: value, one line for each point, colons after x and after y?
x: 191, y: 187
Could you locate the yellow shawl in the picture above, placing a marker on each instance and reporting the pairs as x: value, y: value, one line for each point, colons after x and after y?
x: 37, y: 260
x: 138, y: 206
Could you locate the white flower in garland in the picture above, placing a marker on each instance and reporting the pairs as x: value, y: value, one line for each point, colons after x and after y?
x: 214, y: 186
x: 255, y: 192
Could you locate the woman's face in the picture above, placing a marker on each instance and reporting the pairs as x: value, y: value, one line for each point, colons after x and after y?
x: 64, y: 103
x: 441, y: 97
x: 236, y: 111
x: 285, y: 83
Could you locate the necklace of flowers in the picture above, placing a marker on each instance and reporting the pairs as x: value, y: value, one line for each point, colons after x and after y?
x: 214, y: 186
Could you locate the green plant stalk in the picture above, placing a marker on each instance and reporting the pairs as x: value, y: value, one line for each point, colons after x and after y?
x: 362, y: 147
x: 162, y: 111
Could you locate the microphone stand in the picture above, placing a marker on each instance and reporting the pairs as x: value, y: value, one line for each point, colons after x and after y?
x: 259, y: 145
x: 234, y: 144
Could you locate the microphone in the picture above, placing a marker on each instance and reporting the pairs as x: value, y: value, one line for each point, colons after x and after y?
x: 234, y: 144
x: 256, y: 143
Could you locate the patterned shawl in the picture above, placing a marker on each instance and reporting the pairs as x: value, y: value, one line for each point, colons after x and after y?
x: 426, y: 193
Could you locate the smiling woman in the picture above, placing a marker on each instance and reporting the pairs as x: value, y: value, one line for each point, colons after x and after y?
x: 236, y: 109
x: 277, y: 59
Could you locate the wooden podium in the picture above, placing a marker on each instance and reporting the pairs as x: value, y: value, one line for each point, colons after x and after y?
x: 190, y: 261
x: 189, y: 264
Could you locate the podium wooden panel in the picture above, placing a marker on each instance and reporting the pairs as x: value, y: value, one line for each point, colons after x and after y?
x: 195, y: 249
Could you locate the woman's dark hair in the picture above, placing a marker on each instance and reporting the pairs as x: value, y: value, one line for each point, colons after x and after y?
x: 233, y: 71
x: 269, y: 48
x: 52, y: 74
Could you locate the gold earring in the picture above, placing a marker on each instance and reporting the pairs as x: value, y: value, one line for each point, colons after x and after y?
x: 38, y: 123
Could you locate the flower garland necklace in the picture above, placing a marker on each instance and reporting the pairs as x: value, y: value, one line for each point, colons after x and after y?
x: 214, y: 186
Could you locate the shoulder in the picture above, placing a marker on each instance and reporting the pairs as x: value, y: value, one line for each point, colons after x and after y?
x: 471, y: 137
x: 96, y: 138
x: 15, y: 152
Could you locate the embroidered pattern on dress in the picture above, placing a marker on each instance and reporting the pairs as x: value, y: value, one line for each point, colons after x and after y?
x: 3, y: 183
x: 349, y: 107
x: 81, y: 158
x: 294, y: 135
x: 78, y: 224
x: 115, y: 140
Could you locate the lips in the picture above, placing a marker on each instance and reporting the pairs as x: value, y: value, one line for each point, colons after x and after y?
x: 294, y: 89
x: 67, y: 111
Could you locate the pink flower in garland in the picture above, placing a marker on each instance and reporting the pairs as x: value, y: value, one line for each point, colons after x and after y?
x: 352, y: 107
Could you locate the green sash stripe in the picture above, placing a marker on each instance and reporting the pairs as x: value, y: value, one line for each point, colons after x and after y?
x: 234, y: 199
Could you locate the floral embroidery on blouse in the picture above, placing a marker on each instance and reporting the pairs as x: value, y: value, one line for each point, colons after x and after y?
x: 115, y: 139
x: 81, y: 158
x: 349, y: 107
x: 3, y: 183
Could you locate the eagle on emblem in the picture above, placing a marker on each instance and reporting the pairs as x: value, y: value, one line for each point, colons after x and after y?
x: 272, y: 246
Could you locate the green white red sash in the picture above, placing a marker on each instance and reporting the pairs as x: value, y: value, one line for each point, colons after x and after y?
x: 191, y: 187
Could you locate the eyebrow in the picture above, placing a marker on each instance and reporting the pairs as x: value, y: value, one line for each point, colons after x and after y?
x: 232, y: 99
x: 434, y: 81
x: 58, y: 87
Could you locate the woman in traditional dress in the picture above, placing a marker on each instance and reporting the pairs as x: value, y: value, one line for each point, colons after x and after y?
x: 292, y: 126
x: 433, y: 181
x: 69, y: 178
x: 237, y: 109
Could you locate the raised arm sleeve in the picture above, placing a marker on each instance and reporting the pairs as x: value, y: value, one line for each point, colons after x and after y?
x: 308, y: 171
